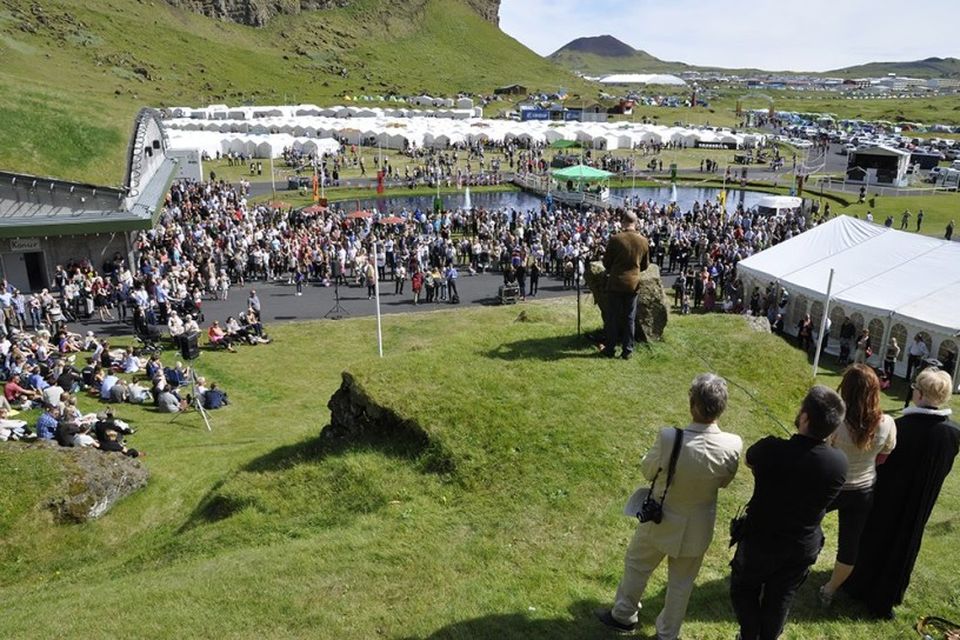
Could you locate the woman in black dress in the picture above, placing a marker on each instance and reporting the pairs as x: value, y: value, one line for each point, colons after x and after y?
x: 905, y: 493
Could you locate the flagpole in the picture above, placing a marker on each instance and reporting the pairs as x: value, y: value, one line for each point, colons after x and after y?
x: 273, y: 180
x: 376, y: 286
x: 823, y: 325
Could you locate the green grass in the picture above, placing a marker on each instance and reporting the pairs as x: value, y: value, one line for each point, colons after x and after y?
x: 88, y: 68
x: 938, y: 210
x: 502, y: 522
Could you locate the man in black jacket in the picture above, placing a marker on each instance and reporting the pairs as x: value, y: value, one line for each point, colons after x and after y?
x: 794, y: 481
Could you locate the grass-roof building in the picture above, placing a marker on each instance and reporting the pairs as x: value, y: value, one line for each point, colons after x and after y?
x: 46, y: 221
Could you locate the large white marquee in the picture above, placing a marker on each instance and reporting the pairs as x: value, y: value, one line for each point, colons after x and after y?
x: 894, y: 283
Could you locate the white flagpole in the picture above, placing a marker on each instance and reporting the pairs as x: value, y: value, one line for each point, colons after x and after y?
x: 376, y: 286
x: 823, y: 325
x: 273, y: 181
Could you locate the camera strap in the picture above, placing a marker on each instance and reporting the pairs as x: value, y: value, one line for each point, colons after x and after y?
x: 674, y: 454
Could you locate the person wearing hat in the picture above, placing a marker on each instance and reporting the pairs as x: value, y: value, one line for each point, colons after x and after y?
x: 627, y: 255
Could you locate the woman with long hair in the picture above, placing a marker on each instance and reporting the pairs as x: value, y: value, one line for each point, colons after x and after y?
x: 905, y: 494
x: 867, y: 437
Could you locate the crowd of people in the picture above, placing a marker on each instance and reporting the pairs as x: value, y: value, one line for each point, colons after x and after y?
x: 837, y: 461
x: 44, y: 372
x: 846, y: 456
x: 209, y: 238
x: 881, y: 476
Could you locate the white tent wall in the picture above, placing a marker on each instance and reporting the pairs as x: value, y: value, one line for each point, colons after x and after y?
x: 900, y: 282
x: 454, y: 125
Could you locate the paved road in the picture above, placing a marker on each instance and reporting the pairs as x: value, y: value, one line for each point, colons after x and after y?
x: 280, y: 303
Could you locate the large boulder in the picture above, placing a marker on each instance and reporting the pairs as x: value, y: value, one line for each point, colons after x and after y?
x: 757, y: 323
x: 93, y: 481
x: 651, y: 299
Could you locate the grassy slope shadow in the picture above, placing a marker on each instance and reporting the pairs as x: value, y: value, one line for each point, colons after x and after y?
x: 358, y: 425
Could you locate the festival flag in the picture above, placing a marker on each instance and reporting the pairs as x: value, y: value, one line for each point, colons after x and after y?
x: 316, y: 185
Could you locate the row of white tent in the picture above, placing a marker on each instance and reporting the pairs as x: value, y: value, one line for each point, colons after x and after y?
x: 426, y: 132
x: 462, y: 110
x: 253, y: 146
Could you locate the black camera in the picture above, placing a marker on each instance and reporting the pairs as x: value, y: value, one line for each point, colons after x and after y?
x: 650, y: 511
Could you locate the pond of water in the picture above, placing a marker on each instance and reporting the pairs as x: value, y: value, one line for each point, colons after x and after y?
x: 522, y: 200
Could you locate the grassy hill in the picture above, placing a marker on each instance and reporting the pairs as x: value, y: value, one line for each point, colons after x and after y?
x: 75, y: 72
x: 602, y: 55
x: 491, y: 511
x: 927, y: 68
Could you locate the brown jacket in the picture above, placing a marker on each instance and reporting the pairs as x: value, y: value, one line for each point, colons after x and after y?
x: 627, y: 254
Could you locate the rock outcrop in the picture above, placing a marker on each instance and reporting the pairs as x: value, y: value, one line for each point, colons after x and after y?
x: 254, y: 13
x: 489, y: 10
x: 651, y: 299
x: 757, y: 323
x: 257, y: 13
x: 355, y: 416
x: 93, y: 482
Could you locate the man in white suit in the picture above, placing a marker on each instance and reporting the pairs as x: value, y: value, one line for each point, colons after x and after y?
x: 707, y: 461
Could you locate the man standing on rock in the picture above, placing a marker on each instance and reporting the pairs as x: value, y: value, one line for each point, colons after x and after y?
x: 626, y: 256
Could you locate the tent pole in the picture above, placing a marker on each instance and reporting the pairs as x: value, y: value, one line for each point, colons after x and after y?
x: 887, y: 331
x: 376, y: 284
x: 823, y: 325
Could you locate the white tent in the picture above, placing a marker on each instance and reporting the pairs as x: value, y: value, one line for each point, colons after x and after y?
x: 896, y: 283
x: 775, y: 204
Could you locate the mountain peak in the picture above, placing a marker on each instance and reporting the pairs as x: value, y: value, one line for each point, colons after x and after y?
x: 605, y: 45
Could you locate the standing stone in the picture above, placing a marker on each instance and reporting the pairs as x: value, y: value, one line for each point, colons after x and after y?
x: 651, y: 299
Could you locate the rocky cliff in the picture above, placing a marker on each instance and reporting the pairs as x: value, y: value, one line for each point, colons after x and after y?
x: 257, y: 13
x: 489, y: 10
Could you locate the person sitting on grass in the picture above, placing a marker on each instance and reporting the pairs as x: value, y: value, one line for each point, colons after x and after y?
x: 131, y: 363
x: 82, y: 437
x: 254, y: 326
x: 11, y: 429
x: 219, y: 338
x: 52, y: 394
x: 153, y: 366
x: 47, y: 423
x: 113, y: 443
x: 67, y: 342
x: 138, y: 394
x: 120, y: 392
x: 168, y: 401
x: 17, y: 395
x: 176, y: 327
x: 214, y: 398
x: 107, y: 382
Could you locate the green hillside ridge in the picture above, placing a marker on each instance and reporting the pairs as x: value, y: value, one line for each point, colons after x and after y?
x: 602, y: 55
x: 263, y: 528
x: 927, y: 68
x: 75, y: 72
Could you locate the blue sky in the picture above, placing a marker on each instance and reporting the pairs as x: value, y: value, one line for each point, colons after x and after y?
x: 812, y: 35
